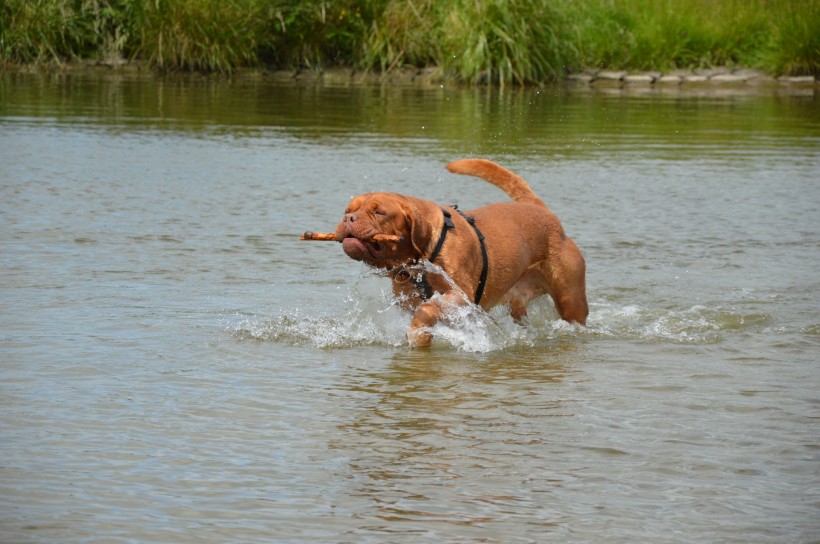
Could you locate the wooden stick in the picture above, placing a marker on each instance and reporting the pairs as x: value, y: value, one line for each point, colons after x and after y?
x: 321, y: 236
x: 391, y: 238
x: 331, y: 237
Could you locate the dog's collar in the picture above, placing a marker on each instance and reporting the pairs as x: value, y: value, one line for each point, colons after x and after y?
x: 448, y: 224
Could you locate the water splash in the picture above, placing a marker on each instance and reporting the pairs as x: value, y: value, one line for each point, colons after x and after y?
x: 697, y: 324
x: 465, y: 328
x: 372, y: 316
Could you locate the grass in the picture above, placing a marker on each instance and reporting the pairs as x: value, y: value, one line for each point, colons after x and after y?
x: 794, y: 45
x: 209, y: 35
x: 501, y: 41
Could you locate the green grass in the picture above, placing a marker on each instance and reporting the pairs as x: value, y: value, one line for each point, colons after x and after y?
x: 794, y: 44
x: 44, y: 30
x: 504, y: 41
x: 501, y: 41
x: 209, y: 35
x: 664, y: 34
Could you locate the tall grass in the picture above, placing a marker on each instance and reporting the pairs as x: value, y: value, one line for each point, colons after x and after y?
x: 532, y: 40
x: 663, y: 34
x: 503, y: 41
x: 407, y: 32
x: 793, y: 46
x: 51, y: 30
x: 211, y: 35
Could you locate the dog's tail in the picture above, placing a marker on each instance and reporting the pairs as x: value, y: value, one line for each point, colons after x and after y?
x: 510, y: 183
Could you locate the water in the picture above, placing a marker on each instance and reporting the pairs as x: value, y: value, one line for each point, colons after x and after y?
x: 178, y: 367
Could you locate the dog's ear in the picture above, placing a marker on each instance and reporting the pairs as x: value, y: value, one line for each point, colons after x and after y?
x: 420, y: 229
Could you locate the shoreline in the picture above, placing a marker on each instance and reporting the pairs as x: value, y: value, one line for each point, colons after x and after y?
x: 718, y: 80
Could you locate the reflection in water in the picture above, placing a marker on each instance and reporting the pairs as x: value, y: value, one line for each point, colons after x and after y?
x: 558, y: 122
x: 435, y: 430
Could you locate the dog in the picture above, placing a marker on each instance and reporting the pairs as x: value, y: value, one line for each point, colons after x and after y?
x: 502, y: 253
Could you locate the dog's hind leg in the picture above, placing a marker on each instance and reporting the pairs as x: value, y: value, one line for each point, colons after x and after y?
x: 531, y: 285
x: 568, y: 286
x: 518, y: 310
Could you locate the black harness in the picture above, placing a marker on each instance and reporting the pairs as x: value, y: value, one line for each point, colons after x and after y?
x: 448, y: 224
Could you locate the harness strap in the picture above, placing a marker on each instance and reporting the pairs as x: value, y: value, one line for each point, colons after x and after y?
x: 448, y: 224
x: 485, y: 263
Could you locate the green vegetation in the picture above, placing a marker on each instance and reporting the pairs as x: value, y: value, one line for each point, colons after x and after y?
x: 502, y: 41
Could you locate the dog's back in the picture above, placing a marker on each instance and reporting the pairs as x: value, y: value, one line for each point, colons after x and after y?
x: 526, y: 232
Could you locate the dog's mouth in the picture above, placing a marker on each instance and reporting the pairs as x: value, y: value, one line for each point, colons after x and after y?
x: 361, y: 250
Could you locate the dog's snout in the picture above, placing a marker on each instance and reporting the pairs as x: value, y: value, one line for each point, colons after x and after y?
x: 351, y: 218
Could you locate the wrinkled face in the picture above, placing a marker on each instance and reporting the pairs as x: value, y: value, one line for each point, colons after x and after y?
x: 376, y: 213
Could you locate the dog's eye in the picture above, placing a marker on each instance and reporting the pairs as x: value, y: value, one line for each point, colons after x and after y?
x: 378, y: 211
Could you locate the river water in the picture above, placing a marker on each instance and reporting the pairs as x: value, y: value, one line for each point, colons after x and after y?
x: 177, y: 367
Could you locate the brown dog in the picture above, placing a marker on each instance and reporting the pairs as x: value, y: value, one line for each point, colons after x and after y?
x: 503, y: 253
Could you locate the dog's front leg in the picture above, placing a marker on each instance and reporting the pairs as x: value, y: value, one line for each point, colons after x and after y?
x: 428, y: 314
x: 419, y: 334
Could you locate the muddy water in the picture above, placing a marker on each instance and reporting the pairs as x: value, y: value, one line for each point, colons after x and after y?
x: 176, y: 366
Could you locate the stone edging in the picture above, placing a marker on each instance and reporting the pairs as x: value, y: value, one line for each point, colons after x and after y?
x: 720, y: 79
x: 715, y: 76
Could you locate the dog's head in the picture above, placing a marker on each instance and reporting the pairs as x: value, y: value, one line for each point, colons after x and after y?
x: 385, y: 213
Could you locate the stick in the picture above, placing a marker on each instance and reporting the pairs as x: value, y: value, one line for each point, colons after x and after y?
x: 392, y: 238
x: 331, y: 237
x: 321, y: 236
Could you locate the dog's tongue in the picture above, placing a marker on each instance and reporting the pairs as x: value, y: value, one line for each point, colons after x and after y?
x: 355, y: 248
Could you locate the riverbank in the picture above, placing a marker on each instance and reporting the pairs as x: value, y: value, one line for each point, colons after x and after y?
x: 499, y: 41
x: 712, y: 81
